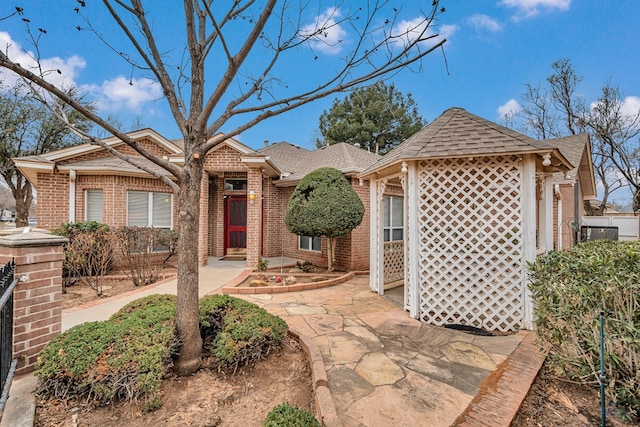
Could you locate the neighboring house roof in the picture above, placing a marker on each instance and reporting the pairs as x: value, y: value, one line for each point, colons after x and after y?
x: 458, y: 133
x: 296, y: 162
x: 577, y: 149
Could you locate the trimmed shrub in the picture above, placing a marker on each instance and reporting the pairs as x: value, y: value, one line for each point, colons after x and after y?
x: 125, y: 357
x: 570, y: 289
x: 285, y: 415
x: 237, y: 332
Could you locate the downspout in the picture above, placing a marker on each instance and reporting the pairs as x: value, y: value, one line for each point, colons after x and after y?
x: 72, y: 195
x: 556, y: 191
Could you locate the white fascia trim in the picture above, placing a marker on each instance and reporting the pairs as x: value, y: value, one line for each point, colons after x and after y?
x: 88, y: 148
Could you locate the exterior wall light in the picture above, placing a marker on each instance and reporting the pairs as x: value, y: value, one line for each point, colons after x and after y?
x: 252, y: 196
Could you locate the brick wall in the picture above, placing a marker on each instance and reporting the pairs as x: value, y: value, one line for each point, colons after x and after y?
x: 37, y: 317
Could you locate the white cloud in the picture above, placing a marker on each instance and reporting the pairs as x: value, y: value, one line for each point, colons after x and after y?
x: 480, y: 21
x: 326, y: 34
x: 121, y: 93
x: 509, y: 108
x: 410, y: 30
x: 630, y: 106
x: 56, y: 70
x: 529, y: 8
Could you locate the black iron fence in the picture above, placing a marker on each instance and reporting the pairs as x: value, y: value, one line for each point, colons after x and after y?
x: 7, y: 362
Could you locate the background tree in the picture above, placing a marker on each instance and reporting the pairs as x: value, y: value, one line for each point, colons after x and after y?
x: 242, y: 48
x: 28, y: 127
x: 556, y: 109
x: 324, y: 204
x: 378, y: 117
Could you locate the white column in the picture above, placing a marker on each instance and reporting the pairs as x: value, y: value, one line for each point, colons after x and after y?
x: 413, y: 240
x: 72, y: 196
x: 528, y: 232
x: 373, y: 235
x: 545, y: 212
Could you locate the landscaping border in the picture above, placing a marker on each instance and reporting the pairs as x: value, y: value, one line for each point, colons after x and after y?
x: 233, y: 288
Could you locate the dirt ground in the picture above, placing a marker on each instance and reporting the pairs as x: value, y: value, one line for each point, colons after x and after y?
x: 206, y: 399
x: 552, y: 402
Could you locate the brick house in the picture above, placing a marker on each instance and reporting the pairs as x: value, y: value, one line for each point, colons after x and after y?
x: 244, y: 194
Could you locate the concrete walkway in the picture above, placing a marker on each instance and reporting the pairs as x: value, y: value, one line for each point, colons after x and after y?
x: 383, y: 367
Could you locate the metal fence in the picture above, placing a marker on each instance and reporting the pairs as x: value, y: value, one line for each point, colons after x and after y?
x: 7, y: 362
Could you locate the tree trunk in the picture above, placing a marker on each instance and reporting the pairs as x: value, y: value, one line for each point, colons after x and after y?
x: 187, y: 325
x: 331, y: 253
x: 23, y: 195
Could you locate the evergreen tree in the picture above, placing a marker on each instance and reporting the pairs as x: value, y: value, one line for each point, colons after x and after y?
x: 377, y: 117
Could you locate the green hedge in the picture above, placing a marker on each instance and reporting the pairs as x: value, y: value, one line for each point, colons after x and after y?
x: 285, y: 415
x: 570, y: 288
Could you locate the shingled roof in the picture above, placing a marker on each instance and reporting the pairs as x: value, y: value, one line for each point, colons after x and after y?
x: 458, y: 133
x: 296, y: 162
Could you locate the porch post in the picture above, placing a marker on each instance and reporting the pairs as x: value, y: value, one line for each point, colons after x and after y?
x: 203, y: 221
x: 412, y: 241
x: 545, y: 213
x: 374, y: 235
x: 72, y: 196
x: 528, y: 234
x: 254, y: 217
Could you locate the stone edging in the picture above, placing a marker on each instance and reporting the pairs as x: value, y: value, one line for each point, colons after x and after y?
x: 503, y: 391
x: 325, y: 409
x: 232, y: 287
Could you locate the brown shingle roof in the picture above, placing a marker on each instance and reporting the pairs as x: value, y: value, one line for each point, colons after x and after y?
x: 458, y: 133
x: 113, y: 164
x: 298, y: 162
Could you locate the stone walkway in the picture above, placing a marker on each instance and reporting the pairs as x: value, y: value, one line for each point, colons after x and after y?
x: 384, y: 368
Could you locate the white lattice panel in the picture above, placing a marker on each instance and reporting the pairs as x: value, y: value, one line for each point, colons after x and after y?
x: 470, y: 223
x: 393, y: 261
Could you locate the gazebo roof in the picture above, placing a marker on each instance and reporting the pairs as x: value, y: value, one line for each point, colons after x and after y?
x: 458, y: 133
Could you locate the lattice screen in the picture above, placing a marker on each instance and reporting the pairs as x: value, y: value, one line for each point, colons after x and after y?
x: 393, y: 261
x: 470, y: 224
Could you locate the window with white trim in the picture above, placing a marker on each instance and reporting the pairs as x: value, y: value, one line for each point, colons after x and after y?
x: 149, y: 209
x: 93, y: 201
x: 308, y: 243
x: 393, y: 218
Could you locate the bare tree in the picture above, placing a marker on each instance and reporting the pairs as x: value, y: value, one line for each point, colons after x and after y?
x: 615, y: 134
x: 557, y: 110
x: 240, y: 93
x: 28, y: 127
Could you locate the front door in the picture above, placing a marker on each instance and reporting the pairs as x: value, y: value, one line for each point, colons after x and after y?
x: 235, y: 242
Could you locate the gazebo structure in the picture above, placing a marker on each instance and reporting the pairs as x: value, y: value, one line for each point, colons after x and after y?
x: 477, y: 206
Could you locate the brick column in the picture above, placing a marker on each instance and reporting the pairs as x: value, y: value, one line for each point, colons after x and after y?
x: 203, y: 243
x: 254, y: 217
x: 37, y: 299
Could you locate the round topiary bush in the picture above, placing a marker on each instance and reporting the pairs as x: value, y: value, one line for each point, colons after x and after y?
x: 285, y: 415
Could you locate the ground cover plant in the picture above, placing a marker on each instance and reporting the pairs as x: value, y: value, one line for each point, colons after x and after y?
x: 570, y: 289
x: 127, y: 357
x: 286, y: 415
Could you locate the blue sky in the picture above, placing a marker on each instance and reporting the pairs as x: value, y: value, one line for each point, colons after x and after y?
x: 493, y: 48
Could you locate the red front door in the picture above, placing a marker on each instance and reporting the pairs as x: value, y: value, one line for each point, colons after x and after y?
x: 235, y: 241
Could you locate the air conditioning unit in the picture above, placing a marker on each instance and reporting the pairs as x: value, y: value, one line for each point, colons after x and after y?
x: 593, y: 232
